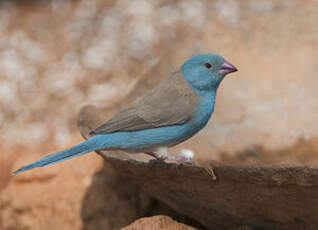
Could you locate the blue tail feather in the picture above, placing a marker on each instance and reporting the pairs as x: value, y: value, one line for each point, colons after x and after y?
x: 82, y: 148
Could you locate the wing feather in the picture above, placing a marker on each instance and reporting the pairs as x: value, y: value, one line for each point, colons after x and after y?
x: 171, y: 102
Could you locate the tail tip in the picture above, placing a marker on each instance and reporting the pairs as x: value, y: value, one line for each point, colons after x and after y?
x: 22, y: 169
x: 17, y: 171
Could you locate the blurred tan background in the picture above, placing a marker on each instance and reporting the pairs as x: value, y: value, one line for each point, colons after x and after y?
x: 56, y: 56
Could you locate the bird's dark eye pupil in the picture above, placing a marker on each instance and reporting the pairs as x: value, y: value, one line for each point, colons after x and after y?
x: 208, y: 65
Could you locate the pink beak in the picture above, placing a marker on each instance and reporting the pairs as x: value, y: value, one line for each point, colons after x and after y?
x: 227, y: 68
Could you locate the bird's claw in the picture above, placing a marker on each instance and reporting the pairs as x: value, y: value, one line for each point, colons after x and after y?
x: 180, y: 159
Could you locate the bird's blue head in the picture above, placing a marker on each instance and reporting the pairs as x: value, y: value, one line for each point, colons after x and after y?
x: 205, y: 72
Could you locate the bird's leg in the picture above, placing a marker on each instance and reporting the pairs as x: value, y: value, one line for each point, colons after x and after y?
x: 180, y: 159
x: 186, y: 156
x: 157, y: 156
x: 183, y: 159
x: 161, y: 154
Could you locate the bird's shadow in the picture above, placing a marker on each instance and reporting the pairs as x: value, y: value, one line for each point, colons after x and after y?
x: 114, y: 200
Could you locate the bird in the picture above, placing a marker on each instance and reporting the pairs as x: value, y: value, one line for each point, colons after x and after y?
x: 172, y: 112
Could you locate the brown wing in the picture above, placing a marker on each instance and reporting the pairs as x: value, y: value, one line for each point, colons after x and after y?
x: 171, y: 102
x: 125, y: 120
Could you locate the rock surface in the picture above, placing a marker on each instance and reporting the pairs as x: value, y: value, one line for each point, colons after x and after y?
x: 157, y: 223
x: 258, y: 197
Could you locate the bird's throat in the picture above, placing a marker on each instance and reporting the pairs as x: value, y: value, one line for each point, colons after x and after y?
x: 204, y: 110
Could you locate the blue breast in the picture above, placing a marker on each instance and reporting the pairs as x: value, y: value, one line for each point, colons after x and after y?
x: 204, y: 110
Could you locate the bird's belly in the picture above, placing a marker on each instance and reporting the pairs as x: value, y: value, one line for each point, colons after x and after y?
x: 143, y: 140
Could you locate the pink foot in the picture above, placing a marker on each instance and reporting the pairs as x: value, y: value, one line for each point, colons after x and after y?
x: 180, y: 159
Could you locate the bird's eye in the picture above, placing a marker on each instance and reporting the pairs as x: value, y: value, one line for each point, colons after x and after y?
x: 208, y: 65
